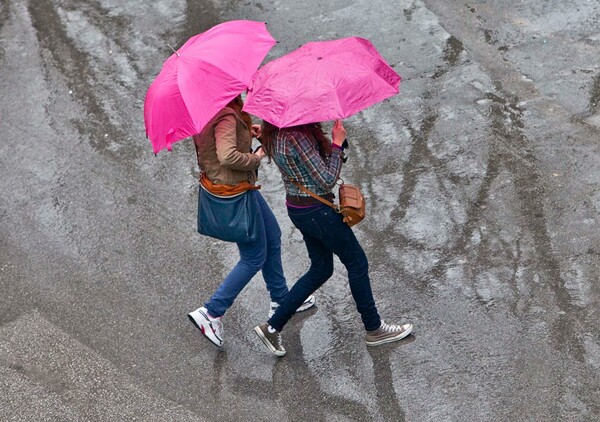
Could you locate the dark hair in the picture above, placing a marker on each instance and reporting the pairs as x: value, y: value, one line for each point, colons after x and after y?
x: 237, y: 103
x: 312, y: 130
x: 268, y: 134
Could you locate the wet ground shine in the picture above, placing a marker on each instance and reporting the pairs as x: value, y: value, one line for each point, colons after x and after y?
x: 483, y: 195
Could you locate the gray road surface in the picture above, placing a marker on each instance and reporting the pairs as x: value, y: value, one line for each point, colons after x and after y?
x: 483, y: 198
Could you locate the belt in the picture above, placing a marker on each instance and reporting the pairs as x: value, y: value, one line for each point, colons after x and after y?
x: 308, y: 200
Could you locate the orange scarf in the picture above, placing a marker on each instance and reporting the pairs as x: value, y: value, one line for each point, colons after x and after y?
x: 225, y: 190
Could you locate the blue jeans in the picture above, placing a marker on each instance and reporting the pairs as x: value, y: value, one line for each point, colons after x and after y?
x: 326, y: 234
x: 264, y: 255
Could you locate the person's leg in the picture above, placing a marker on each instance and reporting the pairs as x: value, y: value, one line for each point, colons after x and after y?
x: 252, y: 259
x: 208, y: 318
x: 332, y: 235
x: 321, y: 269
x: 272, y: 269
x: 340, y: 239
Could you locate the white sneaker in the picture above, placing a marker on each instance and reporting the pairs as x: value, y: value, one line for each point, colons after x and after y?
x: 212, y: 328
x: 307, y: 304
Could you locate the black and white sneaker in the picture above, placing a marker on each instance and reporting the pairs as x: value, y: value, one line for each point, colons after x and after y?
x: 307, y: 304
x: 212, y: 328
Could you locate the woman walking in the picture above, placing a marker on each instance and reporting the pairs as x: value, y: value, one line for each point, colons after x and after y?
x: 306, y: 156
x: 229, y: 168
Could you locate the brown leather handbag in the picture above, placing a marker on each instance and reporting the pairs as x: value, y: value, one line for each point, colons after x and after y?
x: 351, y: 206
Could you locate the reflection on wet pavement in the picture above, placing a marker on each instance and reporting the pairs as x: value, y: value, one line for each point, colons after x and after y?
x: 482, y: 190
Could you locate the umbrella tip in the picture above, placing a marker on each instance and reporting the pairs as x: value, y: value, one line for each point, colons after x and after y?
x: 174, y: 51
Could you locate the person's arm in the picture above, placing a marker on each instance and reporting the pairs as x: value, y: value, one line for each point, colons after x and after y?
x: 226, y: 143
x: 323, y: 174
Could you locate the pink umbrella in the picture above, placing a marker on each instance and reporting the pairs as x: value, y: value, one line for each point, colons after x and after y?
x: 321, y: 81
x: 200, y: 78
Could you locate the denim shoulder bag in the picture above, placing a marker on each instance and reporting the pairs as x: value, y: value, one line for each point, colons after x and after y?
x: 229, y: 218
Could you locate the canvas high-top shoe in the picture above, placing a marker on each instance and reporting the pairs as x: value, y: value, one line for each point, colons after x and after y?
x: 387, y: 333
x: 271, y: 338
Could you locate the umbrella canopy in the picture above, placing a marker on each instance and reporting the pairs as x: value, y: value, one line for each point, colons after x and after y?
x: 321, y: 81
x: 198, y: 80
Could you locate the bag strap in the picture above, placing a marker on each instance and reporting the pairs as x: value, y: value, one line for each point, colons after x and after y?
x: 302, y: 188
x: 317, y: 197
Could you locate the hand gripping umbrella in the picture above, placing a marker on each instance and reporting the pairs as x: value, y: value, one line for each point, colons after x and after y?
x: 321, y: 81
x: 200, y: 78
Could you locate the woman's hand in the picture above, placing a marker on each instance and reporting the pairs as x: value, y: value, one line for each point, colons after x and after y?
x: 338, y: 133
x: 260, y: 152
x: 255, y: 130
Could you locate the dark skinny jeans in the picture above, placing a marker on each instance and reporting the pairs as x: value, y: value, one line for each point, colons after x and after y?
x: 326, y: 234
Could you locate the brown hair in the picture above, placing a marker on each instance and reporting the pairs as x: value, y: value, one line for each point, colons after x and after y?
x: 237, y: 105
x: 312, y: 130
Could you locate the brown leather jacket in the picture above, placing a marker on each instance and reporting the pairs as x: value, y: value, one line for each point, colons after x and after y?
x: 224, y: 150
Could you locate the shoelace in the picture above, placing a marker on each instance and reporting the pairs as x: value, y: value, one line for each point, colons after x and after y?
x: 390, y: 327
x: 279, y: 341
x: 218, y: 326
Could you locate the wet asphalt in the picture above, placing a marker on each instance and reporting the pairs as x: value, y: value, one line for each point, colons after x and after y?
x: 483, y: 194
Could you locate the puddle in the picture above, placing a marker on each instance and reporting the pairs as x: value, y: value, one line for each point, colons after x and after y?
x: 451, y: 55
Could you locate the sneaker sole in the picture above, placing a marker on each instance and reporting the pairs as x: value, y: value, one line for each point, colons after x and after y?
x: 400, y: 336
x: 203, y: 331
x: 267, y: 343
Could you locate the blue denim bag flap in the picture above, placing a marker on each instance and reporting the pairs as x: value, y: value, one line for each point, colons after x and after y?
x: 231, y: 219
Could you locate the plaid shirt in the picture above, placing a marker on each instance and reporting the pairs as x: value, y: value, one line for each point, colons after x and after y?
x: 298, y: 159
